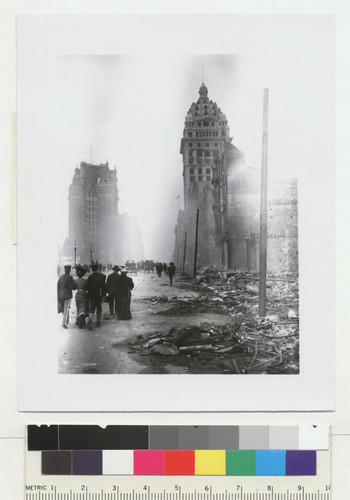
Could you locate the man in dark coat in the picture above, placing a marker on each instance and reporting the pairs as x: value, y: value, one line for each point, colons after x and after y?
x: 96, y: 286
x: 65, y: 285
x: 112, y: 290
x: 171, y: 272
x: 125, y: 285
x: 159, y: 269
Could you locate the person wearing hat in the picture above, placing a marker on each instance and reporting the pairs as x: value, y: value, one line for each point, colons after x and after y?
x: 65, y: 285
x: 125, y: 285
x: 82, y: 296
x: 112, y: 290
x: 96, y: 286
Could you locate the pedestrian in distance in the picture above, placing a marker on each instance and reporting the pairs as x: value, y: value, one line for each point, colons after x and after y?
x: 113, y: 290
x: 125, y: 285
x: 171, y: 272
x: 159, y: 269
x: 96, y: 285
x: 65, y: 285
x: 165, y: 269
x: 82, y: 296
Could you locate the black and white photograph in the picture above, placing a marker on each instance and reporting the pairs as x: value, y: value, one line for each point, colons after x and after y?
x: 163, y: 252
x: 175, y: 201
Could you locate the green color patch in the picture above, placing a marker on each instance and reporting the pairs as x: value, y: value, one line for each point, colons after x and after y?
x: 240, y: 462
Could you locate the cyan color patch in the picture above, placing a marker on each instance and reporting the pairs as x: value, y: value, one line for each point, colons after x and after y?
x: 270, y: 463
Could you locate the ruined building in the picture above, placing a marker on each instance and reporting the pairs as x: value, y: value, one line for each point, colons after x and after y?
x: 218, y: 183
x: 206, y: 130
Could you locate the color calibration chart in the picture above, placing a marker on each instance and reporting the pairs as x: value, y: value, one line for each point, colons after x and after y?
x: 140, y: 462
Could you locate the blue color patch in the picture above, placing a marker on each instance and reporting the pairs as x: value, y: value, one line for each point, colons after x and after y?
x: 270, y: 463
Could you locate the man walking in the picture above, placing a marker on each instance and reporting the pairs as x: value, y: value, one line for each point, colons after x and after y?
x: 96, y: 286
x: 112, y: 290
x: 65, y: 285
x: 171, y: 272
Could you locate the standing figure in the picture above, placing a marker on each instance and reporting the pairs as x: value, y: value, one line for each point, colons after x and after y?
x: 125, y: 285
x: 81, y: 297
x: 171, y: 272
x: 112, y: 290
x: 165, y: 269
x: 159, y: 269
x: 96, y: 285
x: 65, y: 285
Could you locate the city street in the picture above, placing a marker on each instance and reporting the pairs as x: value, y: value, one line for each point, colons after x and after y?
x: 106, y: 350
x: 202, y: 326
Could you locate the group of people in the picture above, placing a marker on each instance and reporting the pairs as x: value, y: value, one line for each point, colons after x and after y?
x: 168, y: 270
x: 91, y: 292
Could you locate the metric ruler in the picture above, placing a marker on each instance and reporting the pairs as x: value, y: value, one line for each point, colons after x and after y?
x: 270, y: 491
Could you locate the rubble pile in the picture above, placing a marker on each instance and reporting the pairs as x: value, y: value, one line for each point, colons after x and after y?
x: 244, y: 347
x: 234, y: 294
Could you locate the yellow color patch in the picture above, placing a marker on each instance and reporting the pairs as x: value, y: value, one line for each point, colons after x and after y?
x: 210, y: 462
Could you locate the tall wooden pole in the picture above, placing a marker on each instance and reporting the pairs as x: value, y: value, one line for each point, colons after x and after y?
x: 184, y: 257
x: 196, y: 247
x: 263, y: 212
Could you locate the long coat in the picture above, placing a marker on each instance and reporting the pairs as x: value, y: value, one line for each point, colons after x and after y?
x: 112, y: 283
x: 96, y: 285
x: 65, y: 285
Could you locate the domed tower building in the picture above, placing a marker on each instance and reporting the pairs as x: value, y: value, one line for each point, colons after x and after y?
x: 205, y: 131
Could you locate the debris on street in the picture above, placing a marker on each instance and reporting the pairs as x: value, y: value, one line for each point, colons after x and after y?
x: 245, y: 343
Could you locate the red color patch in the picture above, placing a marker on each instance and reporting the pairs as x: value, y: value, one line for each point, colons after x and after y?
x: 179, y: 462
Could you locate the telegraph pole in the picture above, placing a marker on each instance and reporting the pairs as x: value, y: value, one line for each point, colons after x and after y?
x: 196, y: 247
x: 263, y: 212
x: 184, y: 257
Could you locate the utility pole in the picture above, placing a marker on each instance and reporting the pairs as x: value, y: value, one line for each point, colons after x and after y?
x: 263, y: 212
x: 90, y: 254
x: 75, y: 252
x: 184, y: 257
x: 196, y: 247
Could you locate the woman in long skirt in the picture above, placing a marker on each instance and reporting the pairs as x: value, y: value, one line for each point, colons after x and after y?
x: 81, y: 297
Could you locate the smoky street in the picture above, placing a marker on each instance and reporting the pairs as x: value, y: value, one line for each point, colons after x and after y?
x: 203, y: 325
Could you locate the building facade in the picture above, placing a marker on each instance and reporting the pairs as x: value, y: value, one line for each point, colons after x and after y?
x: 204, y: 133
x: 93, y: 213
x: 226, y: 193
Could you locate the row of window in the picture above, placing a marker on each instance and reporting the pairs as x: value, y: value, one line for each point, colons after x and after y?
x: 200, y: 170
x: 206, y: 134
x: 199, y: 124
x: 90, y: 194
x: 200, y: 153
x: 201, y: 144
x: 200, y: 161
x: 200, y: 178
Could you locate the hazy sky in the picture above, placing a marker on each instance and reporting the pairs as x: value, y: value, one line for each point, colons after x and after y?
x: 130, y: 109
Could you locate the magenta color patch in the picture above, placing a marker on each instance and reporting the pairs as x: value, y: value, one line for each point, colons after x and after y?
x: 150, y: 462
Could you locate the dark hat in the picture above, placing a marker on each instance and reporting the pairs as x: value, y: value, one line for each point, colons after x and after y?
x: 123, y: 271
x: 115, y: 268
x: 80, y: 270
x: 68, y: 266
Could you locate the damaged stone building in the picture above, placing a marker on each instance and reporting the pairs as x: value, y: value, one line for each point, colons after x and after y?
x: 226, y: 192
